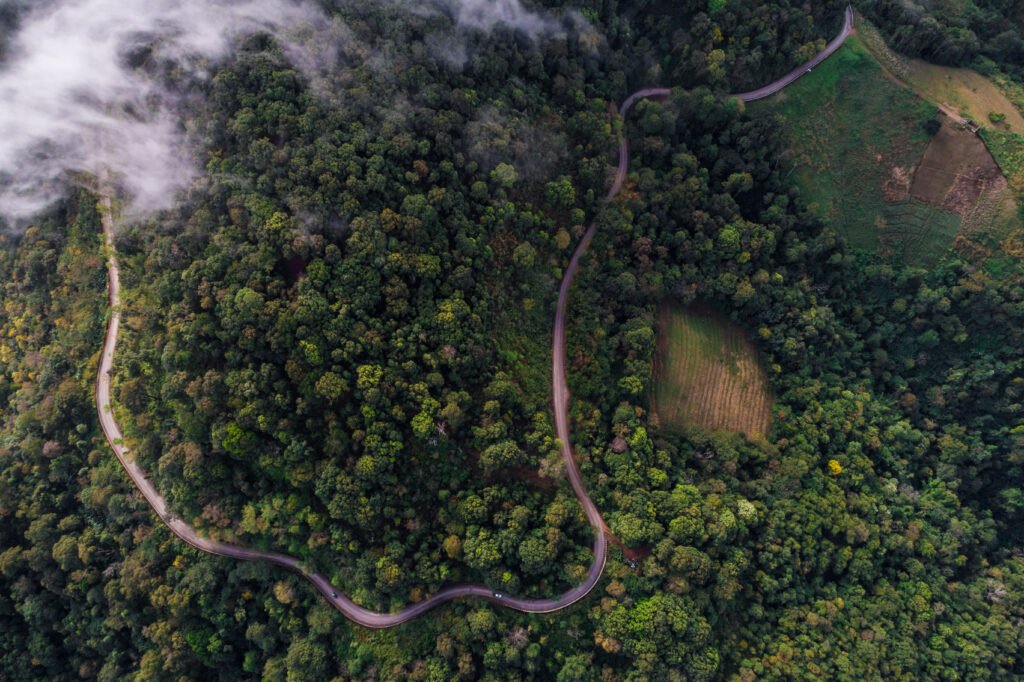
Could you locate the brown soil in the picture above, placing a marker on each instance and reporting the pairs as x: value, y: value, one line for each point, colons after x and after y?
x: 635, y: 553
x: 532, y: 477
x: 897, y: 186
x: 956, y: 170
x: 949, y: 111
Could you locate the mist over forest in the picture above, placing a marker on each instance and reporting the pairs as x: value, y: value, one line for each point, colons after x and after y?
x: 104, y: 86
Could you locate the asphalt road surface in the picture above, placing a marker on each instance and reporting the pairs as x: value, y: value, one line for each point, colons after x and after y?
x: 346, y: 606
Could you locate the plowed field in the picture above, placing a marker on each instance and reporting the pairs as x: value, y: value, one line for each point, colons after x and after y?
x: 708, y: 375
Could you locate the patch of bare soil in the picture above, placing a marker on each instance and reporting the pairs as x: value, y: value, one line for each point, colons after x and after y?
x: 967, y: 192
x: 533, y: 478
x: 897, y: 186
x: 708, y: 374
x: 637, y: 553
x: 957, y: 169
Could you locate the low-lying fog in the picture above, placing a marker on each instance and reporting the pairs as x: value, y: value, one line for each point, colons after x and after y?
x: 73, y: 98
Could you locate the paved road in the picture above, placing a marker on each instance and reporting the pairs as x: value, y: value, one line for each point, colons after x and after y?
x: 346, y: 606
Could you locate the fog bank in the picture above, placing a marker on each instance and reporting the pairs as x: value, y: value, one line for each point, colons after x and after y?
x: 74, y: 100
x: 71, y: 102
x: 487, y: 14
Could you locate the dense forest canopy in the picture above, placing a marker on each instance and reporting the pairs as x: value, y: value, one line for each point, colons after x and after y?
x: 732, y: 46
x: 953, y: 32
x: 337, y: 345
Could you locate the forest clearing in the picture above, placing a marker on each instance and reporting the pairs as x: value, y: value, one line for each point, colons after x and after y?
x: 708, y: 374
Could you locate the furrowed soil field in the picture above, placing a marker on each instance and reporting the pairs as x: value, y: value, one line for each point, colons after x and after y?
x: 708, y: 375
x: 959, y: 175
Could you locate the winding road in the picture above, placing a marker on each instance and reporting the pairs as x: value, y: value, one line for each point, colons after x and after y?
x: 346, y: 606
x: 795, y: 74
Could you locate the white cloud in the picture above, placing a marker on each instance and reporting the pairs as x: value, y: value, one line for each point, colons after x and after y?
x: 70, y: 102
x: 487, y: 14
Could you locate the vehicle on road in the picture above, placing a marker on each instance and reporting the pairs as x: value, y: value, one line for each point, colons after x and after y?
x: 498, y: 595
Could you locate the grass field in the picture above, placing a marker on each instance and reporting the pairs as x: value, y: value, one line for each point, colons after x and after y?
x: 708, y: 375
x: 856, y: 137
x: 916, y: 230
x: 961, y: 91
x: 966, y: 91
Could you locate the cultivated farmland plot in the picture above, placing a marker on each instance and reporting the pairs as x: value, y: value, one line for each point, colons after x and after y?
x: 708, y: 375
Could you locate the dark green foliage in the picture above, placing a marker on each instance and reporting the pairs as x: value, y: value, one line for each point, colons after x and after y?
x: 955, y: 33
x: 734, y: 46
x: 339, y: 347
